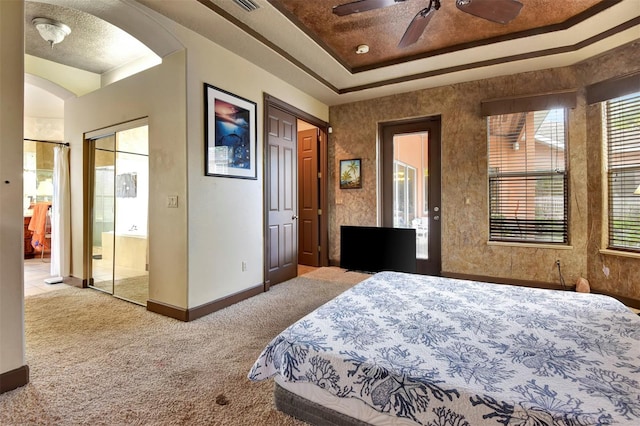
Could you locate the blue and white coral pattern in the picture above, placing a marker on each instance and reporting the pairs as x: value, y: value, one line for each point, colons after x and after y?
x: 446, y: 352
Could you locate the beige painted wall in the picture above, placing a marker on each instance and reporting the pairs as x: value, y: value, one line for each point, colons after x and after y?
x: 11, y: 274
x: 159, y: 94
x: 226, y: 215
x: 73, y: 79
x: 196, y: 251
x: 49, y: 129
x: 464, y: 174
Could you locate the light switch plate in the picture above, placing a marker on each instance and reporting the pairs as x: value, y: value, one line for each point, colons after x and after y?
x: 172, y: 201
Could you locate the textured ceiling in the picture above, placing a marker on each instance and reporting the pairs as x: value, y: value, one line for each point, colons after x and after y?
x: 303, y: 43
x: 94, y: 45
x: 449, y: 29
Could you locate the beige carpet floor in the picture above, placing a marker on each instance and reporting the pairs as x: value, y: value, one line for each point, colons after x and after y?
x: 134, y: 289
x: 98, y: 360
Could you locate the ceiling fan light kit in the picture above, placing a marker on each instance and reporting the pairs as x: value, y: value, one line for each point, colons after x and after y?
x: 499, y: 11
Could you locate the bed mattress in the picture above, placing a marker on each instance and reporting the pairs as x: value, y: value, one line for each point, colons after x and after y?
x: 307, y: 397
x: 438, y: 351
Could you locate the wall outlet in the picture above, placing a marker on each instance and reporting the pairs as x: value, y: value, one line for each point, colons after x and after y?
x: 172, y: 201
x: 244, y: 266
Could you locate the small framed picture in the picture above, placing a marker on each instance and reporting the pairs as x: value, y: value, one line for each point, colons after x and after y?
x: 229, y: 134
x: 350, y: 174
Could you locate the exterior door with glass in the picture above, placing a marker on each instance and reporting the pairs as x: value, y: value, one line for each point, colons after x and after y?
x: 411, y: 186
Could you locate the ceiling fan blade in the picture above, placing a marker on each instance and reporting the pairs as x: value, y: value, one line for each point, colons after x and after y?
x: 416, y: 27
x: 501, y: 11
x: 362, y: 6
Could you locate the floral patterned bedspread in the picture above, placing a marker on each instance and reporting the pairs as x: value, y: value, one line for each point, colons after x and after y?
x: 453, y: 352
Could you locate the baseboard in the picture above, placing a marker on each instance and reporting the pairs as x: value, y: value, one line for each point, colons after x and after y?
x: 75, y: 282
x: 216, y: 305
x: 170, y: 311
x: 628, y: 301
x: 511, y: 281
x: 14, y: 379
x: 187, y: 315
x: 524, y: 283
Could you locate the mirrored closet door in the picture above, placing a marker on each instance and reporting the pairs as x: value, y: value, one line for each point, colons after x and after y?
x: 120, y: 194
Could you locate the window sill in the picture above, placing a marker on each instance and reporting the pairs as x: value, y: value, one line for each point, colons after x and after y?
x: 620, y: 253
x: 530, y: 245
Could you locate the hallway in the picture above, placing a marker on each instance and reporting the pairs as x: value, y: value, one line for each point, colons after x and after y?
x: 35, y: 272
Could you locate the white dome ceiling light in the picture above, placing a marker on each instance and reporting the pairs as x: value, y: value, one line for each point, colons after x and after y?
x: 52, y: 31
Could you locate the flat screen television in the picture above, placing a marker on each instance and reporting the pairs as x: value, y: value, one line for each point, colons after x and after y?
x: 375, y: 249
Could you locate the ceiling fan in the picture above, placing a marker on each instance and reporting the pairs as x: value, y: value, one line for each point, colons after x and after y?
x: 500, y: 11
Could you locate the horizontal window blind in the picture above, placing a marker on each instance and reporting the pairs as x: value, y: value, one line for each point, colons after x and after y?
x: 528, y: 177
x: 622, y: 123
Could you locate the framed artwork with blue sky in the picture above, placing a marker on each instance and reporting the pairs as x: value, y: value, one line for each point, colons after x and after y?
x: 230, y: 134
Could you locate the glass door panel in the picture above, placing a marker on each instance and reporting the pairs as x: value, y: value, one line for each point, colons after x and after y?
x: 103, y: 220
x: 120, y: 259
x: 131, y: 277
x: 410, y: 186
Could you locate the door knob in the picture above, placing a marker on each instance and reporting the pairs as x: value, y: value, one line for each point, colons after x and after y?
x: 294, y: 217
x: 436, y: 218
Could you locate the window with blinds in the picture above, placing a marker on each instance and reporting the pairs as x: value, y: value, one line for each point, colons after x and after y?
x: 622, y: 140
x: 528, y: 195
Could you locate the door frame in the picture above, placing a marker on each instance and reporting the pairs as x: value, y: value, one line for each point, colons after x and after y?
x: 323, y: 152
x: 387, y: 130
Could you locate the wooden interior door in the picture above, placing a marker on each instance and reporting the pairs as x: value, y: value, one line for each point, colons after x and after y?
x: 308, y: 201
x: 281, y: 193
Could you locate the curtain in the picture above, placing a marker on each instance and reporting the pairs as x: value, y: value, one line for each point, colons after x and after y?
x: 61, y: 214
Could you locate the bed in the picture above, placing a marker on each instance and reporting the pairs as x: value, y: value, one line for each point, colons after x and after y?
x: 404, y: 349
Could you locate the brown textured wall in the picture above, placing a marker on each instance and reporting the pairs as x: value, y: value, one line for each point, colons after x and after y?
x: 623, y: 277
x: 464, y: 174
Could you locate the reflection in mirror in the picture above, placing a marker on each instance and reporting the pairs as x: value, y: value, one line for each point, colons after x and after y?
x: 120, y: 256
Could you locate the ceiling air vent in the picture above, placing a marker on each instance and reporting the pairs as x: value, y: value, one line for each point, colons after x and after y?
x: 247, y: 5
